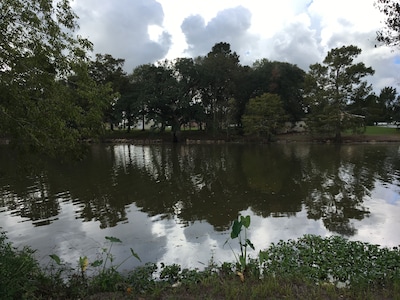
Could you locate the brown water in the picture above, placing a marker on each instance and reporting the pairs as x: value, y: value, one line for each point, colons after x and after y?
x: 175, y: 203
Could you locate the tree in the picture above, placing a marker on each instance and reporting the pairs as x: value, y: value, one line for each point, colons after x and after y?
x: 109, y: 70
x: 38, y: 55
x: 389, y: 101
x: 88, y: 101
x: 244, y: 89
x: 217, y: 72
x: 136, y: 93
x: 283, y: 79
x: 264, y: 115
x: 391, y: 34
x: 330, y: 88
x: 167, y: 92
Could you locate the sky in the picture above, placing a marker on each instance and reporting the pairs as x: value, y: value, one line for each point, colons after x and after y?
x: 299, y: 32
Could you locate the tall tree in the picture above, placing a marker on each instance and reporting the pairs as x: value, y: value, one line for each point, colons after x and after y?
x: 217, y: 72
x: 330, y: 87
x: 38, y: 54
x: 90, y: 101
x: 168, y: 90
x: 280, y: 78
x: 188, y: 80
x: 391, y: 34
x: 389, y: 101
x: 136, y: 93
x: 109, y: 70
x: 244, y: 90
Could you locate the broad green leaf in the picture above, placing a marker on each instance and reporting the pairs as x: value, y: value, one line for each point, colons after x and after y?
x: 135, y: 255
x: 236, y: 228
x: 245, y: 221
x: 113, y: 239
x: 56, y: 258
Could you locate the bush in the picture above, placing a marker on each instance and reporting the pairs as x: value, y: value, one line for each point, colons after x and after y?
x: 19, y: 271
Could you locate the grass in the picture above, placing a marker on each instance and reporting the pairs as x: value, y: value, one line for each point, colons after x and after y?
x: 310, y: 267
x: 380, y: 130
x: 374, y: 133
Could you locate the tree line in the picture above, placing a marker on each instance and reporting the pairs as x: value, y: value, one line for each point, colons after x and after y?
x: 53, y: 95
x: 222, y: 96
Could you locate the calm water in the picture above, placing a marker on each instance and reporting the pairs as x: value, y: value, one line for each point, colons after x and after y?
x: 175, y: 204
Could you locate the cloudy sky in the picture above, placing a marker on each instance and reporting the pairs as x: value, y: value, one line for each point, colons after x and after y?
x: 300, y: 32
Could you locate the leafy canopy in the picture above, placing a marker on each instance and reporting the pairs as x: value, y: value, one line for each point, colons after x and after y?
x: 47, y: 101
x: 331, y: 86
x: 390, y: 35
x: 264, y: 115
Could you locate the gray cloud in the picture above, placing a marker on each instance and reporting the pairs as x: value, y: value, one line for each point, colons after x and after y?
x: 297, y: 43
x: 120, y: 28
x: 230, y: 25
x: 304, y: 37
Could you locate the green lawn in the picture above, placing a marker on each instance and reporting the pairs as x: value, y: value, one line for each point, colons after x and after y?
x: 378, y: 130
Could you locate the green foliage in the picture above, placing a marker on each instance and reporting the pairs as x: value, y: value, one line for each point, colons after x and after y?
x: 107, y: 277
x: 264, y: 115
x: 142, y: 278
x: 211, y: 90
x: 280, y: 78
x: 107, y: 70
x: 330, y: 87
x: 217, y: 72
x: 309, y: 267
x: 19, y: 271
x: 390, y: 34
x: 108, y: 257
x: 332, y: 259
x: 170, y: 273
x: 244, y: 242
x: 48, y: 103
x: 378, y: 130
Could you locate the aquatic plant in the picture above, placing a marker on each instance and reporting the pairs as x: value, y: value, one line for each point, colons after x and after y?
x: 333, y: 259
x: 311, y: 267
x: 244, y: 242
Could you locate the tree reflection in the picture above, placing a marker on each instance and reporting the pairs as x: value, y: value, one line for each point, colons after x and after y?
x: 25, y: 191
x: 203, y: 182
x: 337, y: 183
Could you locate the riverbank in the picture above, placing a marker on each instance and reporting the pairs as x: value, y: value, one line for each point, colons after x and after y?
x: 373, y: 134
x: 311, y: 267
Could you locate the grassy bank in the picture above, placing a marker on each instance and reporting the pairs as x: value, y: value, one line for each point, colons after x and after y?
x: 308, y: 268
x: 371, y: 134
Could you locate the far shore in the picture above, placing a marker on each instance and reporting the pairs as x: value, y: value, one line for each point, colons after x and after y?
x: 196, y: 137
x: 154, y: 138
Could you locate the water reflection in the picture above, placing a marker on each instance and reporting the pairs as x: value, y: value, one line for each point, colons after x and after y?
x: 184, y: 197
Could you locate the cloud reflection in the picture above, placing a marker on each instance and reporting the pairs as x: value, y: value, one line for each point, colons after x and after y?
x: 176, y: 204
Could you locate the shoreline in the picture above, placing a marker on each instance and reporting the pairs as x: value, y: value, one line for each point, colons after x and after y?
x: 283, y: 138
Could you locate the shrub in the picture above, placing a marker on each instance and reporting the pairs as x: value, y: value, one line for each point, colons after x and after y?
x: 19, y: 271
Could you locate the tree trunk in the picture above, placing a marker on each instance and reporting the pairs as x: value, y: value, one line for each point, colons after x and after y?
x: 176, y: 131
x: 338, y: 137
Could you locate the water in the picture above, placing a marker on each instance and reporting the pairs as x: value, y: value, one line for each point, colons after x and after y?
x: 175, y: 203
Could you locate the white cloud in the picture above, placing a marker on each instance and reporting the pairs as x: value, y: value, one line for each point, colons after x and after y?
x: 296, y: 43
x: 122, y: 29
x: 230, y: 25
x: 298, y: 32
